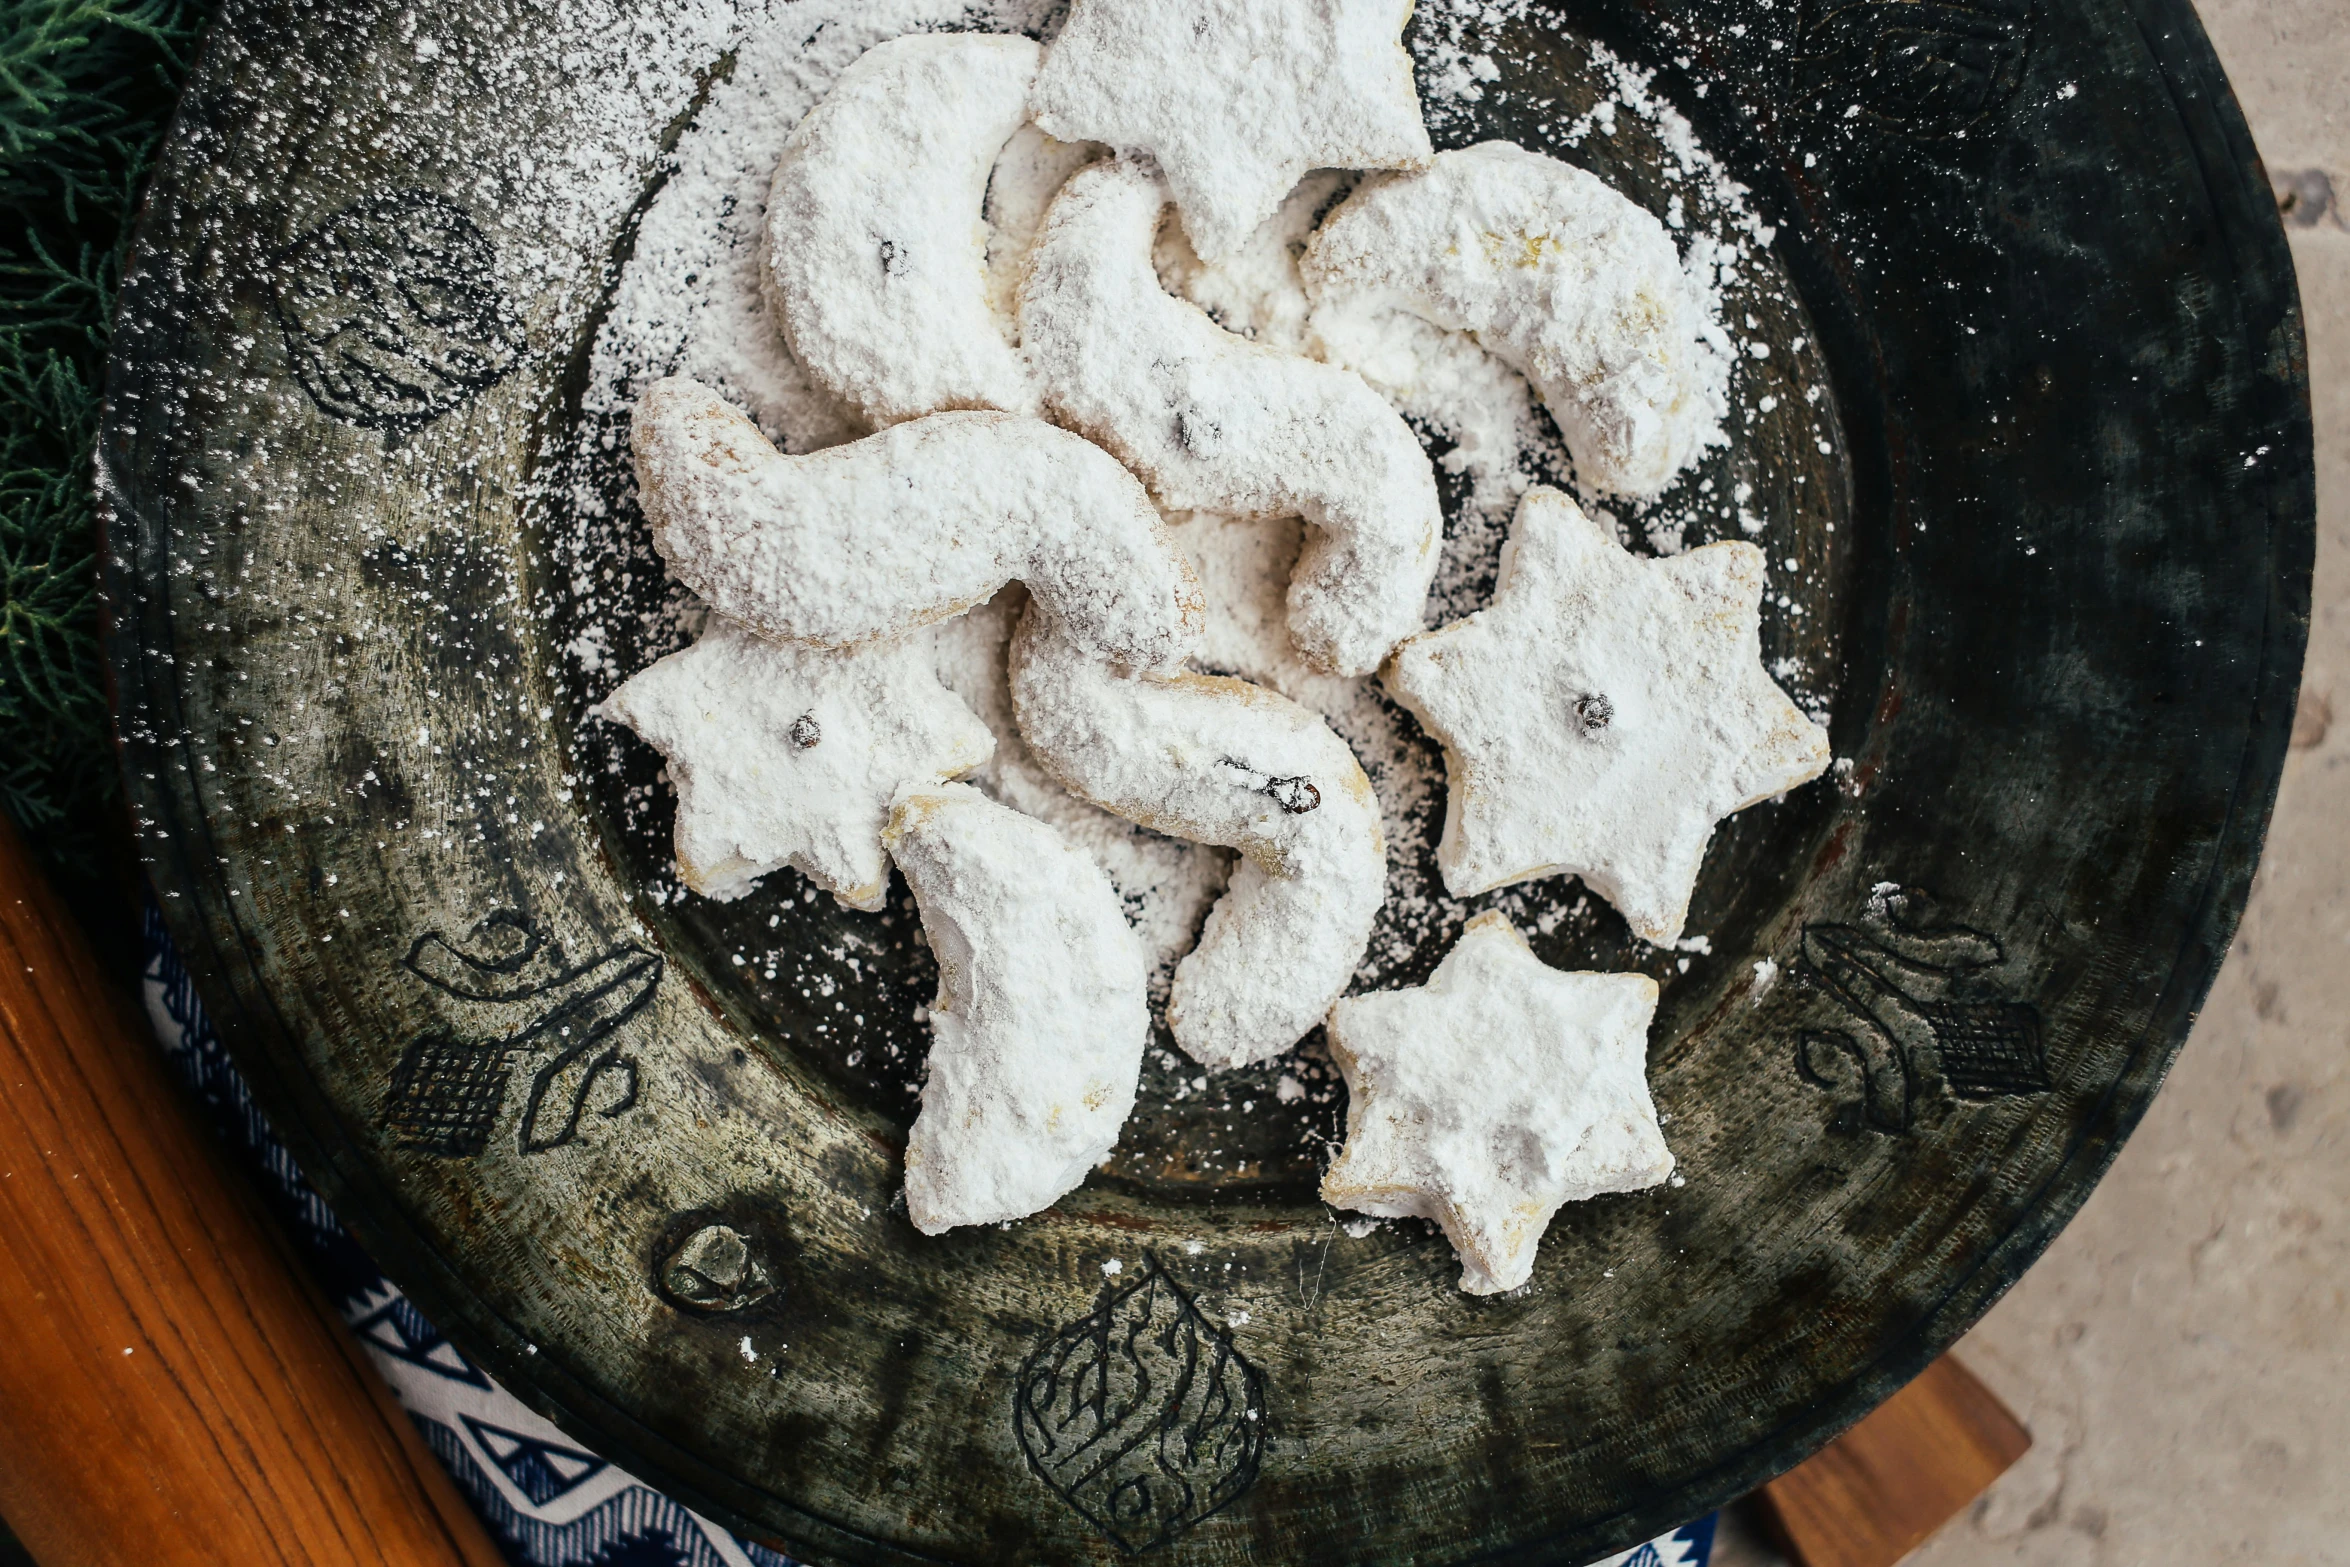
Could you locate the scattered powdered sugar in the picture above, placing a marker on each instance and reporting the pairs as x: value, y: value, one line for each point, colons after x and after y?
x: 1453, y: 69
x: 688, y: 302
x: 621, y: 72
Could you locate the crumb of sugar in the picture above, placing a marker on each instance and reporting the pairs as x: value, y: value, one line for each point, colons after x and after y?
x: 877, y: 249
x: 785, y: 755
x: 1492, y: 1096
x: 909, y: 526
x: 1216, y: 760
x: 1042, y: 1012
x: 1236, y: 99
x: 1573, y: 283
x: 1212, y: 421
x: 1602, y: 714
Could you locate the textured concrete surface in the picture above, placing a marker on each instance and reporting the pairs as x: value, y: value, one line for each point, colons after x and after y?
x: 2182, y: 1354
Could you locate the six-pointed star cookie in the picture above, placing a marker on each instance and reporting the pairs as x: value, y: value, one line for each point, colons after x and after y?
x: 788, y: 755
x: 1492, y: 1095
x: 1602, y: 714
x: 1236, y: 98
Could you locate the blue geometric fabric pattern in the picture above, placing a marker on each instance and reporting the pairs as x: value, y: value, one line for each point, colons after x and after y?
x: 540, y: 1470
x: 1691, y: 1545
x: 398, y: 1329
x: 546, y: 1501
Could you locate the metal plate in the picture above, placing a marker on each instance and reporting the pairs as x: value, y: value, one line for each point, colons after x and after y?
x: 2062, y: 607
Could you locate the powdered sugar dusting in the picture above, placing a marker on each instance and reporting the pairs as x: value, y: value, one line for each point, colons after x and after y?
x: 1236, y: 99
x: 1570, y: 281
x: 908, y: 526
x: 1218, y: 760
x: 1040, y: 1021
x: 1165, y: 884
x: 686, y: 301
x: 783, y: 754
x: 877, y: 251
x: 1602, y: 714
x: 1211, y: 420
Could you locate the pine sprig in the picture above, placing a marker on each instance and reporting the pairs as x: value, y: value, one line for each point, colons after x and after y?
x: 86, y: 88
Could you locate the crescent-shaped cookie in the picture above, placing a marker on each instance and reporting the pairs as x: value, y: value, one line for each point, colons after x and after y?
x: 876, y: 253
x: 908, y: 526
x: 1552, y: 270
x: 1213, y: 422
x: 1220, y: 761
x: 1042, y: 1011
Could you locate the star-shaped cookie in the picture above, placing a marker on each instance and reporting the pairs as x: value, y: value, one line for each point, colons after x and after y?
x: 788, y: 755
x: 1491, y: 1096
x: 1236, y: 99
x: 1602, y: 714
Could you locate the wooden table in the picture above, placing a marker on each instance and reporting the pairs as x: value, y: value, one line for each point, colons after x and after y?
x: 173, y: 1391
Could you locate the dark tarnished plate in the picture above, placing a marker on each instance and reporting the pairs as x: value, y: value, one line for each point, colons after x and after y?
x: 2057, y: 550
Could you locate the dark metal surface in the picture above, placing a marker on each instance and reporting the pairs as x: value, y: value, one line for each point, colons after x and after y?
x: 2058, y: 547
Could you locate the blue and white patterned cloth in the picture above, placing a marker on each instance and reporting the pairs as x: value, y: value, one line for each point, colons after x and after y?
x: 547, y: 1501
x: 1691, y: 1545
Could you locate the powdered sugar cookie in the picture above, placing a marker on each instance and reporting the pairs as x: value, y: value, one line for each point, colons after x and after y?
x: 1491, y: 1096
x: 908, y: 526
x: 1213, y: 422
x: 785, y: 755
x: 1028, y: 173
x: 1038, y: 1030
x: 1220, y: 761
x: 1556, y: 273
x: 876, y: 251
x: 1602, y: 714
x: 1237, y: 98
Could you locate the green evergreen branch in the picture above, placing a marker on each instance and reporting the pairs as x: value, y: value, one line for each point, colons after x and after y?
x: 86, y: 88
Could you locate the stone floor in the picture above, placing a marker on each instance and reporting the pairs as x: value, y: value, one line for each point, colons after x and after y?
x: 2182, y: 1353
